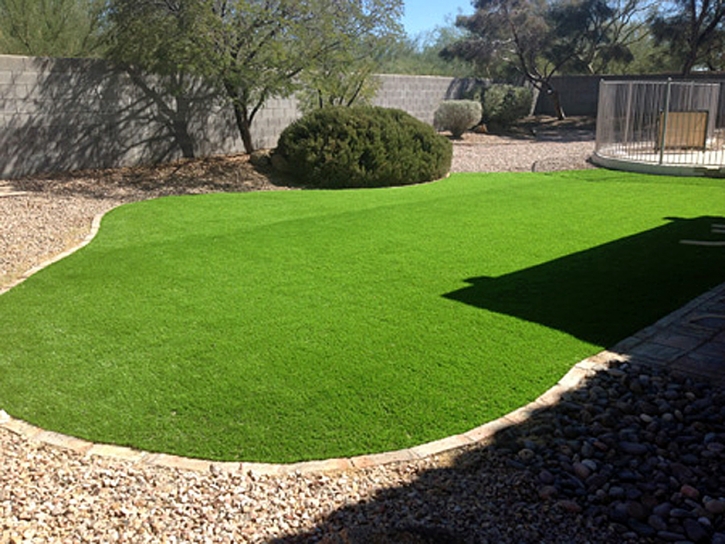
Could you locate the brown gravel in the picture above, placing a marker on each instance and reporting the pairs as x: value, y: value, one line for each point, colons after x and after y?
x: 540, y: 145
x: 51, y: 495
x: 54, y: 213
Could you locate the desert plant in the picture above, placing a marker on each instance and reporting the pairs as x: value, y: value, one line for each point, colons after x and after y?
x: 504, y: 104
x: 457, y: 116
x: 362, y: 146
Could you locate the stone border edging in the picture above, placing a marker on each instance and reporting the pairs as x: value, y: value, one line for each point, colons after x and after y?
x: 480, y: 435
x: 95, y: 226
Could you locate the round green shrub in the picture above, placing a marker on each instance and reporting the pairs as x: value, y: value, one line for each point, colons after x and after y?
x: 457, y: 116
x: 362, y: 146
x: 504, y: 104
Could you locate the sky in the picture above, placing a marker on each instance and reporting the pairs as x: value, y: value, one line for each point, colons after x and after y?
x: 424, y: 15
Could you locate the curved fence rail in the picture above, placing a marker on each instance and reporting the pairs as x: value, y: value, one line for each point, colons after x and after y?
x: 662, y: 123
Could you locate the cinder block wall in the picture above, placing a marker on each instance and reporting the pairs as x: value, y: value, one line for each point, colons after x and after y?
x: 418, y: 95
x: 66, y: 114
x: 69, y: 114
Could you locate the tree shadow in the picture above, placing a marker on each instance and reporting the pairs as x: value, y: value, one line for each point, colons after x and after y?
x: 73, y: 114
x: 549, y: 129
x: 606, y: 293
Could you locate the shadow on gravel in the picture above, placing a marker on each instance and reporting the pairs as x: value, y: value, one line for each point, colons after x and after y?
x: 550, y: 129
x: 231, y: 173
x: 632, y: 455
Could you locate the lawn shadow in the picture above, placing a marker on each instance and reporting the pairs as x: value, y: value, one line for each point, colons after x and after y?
x: 603, y: 294
x: 617, y: 451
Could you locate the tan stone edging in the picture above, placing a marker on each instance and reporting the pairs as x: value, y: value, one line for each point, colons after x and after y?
x: 95, y: 226
x: 481, y: 435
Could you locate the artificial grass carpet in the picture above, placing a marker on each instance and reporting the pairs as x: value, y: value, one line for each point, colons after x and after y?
x: 296, y: 325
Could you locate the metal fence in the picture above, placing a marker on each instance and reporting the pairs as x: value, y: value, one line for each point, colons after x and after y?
x: 664, y: 123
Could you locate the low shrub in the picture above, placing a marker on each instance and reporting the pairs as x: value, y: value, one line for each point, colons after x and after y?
x: 504, y: 104
x: 457, y: 116
x: 362, y: 146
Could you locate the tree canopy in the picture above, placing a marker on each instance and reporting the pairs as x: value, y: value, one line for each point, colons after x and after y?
x: 419, y: 54
x: 250, y: 50
x: 539, y: 38
x: 45, y: 28
x: 694, y: 31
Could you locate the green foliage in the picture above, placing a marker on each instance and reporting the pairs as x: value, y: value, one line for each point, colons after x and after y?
x: 540, y: 38
x: 420, y: 55
x: 504, y: 104
x: 337, y: 87
x: 363, y: 146
x: 51, y: 28
x: 457, y: 116
x: 342, y: 78
x: 588, y: 35
x: 249, y: 50
x: 649, y: 57
x: 343, y: 75
x: 694, y: 31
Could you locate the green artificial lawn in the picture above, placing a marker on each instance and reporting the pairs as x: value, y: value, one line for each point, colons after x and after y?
x: 294, y: 325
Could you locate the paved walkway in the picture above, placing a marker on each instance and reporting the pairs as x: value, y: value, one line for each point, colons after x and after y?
x: 690, y: 340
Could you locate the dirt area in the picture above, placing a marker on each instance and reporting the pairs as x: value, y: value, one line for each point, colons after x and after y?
x: 231, y: 173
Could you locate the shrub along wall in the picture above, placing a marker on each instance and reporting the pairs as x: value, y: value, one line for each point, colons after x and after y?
x: 363, y: 146
x: 67, y: 114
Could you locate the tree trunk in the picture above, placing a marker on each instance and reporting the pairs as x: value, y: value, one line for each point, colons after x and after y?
x: 689, y: 63
x: 241, y: 116
x: 244, y: 126
x: 181, y: 127
x: 553, y: 95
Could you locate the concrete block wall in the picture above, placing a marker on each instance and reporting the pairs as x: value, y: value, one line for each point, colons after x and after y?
x: 271, y: 120
x: 420, y: 96
x: 68, y: 114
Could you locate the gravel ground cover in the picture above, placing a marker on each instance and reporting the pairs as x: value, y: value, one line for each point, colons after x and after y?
x: 633, y: 456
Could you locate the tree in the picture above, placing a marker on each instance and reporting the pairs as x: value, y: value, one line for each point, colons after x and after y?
x: 648, y: 57
x: 341, y: 76
x: 510, y: 32
x: 51, y: 28
x: 342, y: 79
x: 249, y: 50
x: 714, y: 57
x: 418, y: 55
x: 538, y: 39
x: 593, y: 34
x: 694, y: 30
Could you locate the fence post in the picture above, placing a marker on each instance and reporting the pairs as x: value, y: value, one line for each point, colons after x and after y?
x: 629, y: 113
x: 663, y: 138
